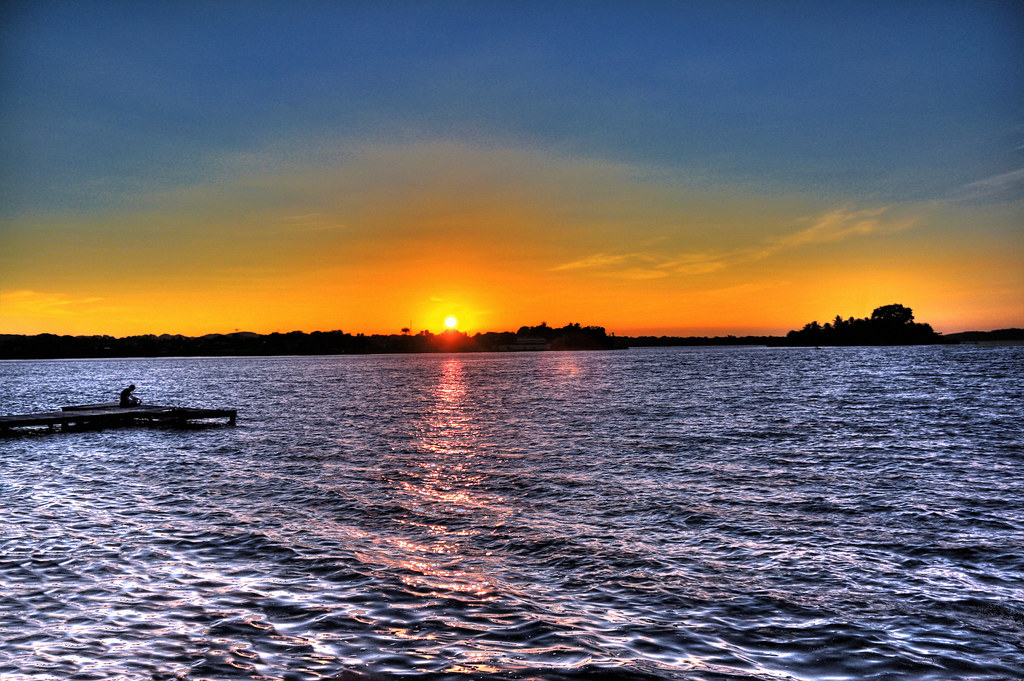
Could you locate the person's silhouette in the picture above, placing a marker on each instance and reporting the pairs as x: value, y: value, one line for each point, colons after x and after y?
x: 127, y: 399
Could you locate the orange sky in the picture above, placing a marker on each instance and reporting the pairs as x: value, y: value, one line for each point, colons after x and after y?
x: 405, y: 236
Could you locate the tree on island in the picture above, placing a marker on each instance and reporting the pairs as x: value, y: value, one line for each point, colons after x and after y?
x: 895, y: 314
x: 888, y: 325
x: 572, y: 336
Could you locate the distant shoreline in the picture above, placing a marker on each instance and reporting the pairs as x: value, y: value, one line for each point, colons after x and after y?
x: 572, y: 337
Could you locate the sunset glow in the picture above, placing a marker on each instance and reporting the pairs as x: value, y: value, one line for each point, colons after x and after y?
x: 655, y: 170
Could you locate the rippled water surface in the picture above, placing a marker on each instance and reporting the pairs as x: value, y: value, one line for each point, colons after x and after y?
x: 732, y: 513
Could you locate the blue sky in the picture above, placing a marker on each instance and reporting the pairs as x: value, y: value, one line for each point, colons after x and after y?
x: 893, y: 99
x: 105, y: 104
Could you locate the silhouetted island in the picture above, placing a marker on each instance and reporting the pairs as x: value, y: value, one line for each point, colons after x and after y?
x: 888, y: 325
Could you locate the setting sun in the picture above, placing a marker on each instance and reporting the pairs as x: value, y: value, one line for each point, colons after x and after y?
x: 451, y: 322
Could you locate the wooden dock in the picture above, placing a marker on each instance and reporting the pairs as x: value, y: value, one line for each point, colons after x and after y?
x: 98, y: 416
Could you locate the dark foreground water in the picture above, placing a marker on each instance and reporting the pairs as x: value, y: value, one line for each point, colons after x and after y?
x: 737, y: 513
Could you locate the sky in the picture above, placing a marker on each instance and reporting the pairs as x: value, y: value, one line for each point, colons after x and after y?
x: 682, y: 168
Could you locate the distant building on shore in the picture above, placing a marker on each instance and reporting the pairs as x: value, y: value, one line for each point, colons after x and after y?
x: 525, y: 344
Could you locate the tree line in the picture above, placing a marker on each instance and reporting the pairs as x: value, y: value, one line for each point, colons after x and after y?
x: 888, y: 325
x: 43, y: 346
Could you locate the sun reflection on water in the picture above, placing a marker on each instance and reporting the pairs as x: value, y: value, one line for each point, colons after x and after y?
x: 442, y: 489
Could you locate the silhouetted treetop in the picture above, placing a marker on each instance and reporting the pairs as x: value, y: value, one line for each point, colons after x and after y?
x: 893, y: 314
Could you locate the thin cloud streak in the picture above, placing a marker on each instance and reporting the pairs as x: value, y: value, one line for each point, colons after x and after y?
x: 831, y: 227
x: 645, y: 265
x: 1007, y: 186
x: 35, y: 303
x: 839, y: 225
x: 592, y: 261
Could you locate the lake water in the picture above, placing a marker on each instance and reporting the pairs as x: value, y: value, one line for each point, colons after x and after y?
x: 682, y: 513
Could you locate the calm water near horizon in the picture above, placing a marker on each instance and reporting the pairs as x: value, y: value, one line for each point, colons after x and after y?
x: 677, y: 513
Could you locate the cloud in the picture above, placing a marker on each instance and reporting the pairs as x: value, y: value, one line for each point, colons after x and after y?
x: 838, y: 225
x: 597, y: 260
x: 635, y: 266
x: 697, y: 263
x: 831, y: 227
x: 640, y: 266
x: 27, y: 303
x: 1005, y: 187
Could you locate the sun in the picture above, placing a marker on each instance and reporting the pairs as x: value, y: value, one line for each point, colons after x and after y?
x: 451, y: 322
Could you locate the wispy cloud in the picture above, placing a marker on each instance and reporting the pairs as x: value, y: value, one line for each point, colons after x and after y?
x: 37, y: 304
x: 696, y: 263
x: 1007, y: 186
x: 645, y: 265
x: 597, y: 260
x: 832, y: 227
x: 838, y: 225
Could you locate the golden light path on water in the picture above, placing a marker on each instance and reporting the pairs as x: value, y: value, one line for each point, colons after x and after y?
x: 431, y: 566
x: 446, y: 483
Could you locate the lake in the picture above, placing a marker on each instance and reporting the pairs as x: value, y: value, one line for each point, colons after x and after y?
x: 673, y: 513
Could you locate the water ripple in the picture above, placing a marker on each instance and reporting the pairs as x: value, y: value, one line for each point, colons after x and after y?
x: 736, y: 513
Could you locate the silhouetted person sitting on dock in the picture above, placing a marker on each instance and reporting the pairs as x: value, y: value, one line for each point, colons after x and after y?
x: 127, y: 399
